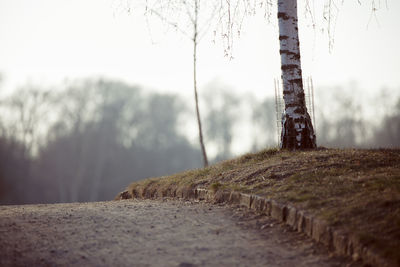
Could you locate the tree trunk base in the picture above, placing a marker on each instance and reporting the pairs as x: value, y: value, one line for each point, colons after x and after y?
x: 297, y: 133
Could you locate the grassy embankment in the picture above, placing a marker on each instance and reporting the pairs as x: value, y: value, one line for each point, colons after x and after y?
x: 358, y: 190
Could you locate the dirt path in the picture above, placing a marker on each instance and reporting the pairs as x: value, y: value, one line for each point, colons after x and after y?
x: 150, y: 233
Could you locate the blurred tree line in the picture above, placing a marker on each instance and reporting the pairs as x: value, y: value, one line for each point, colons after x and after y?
x: 88, y: 141
x: 91, y: 138
x: 359, y: 121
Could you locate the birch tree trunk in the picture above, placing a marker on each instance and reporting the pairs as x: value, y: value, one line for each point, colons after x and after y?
x: 297, y: 128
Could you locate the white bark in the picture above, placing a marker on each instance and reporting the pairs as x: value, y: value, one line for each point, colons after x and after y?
x: 297, y: 129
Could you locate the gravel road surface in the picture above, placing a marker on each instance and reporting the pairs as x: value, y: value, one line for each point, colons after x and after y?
x: 151, y: 233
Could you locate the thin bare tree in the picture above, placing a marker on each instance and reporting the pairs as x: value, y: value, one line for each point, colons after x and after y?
x: 195, y: 40
x: 194, y: 26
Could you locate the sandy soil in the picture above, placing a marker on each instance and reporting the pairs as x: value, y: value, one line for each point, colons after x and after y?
x: 151, y: 233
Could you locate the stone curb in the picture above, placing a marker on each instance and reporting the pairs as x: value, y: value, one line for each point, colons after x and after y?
x: 337, y: 240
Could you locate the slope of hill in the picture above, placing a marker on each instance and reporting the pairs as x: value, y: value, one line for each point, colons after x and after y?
x: 357, y: 191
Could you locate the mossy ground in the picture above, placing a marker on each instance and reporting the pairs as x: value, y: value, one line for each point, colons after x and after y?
x: 358, y: 190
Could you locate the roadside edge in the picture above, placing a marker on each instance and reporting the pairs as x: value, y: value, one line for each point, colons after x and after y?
x: 337, y: 240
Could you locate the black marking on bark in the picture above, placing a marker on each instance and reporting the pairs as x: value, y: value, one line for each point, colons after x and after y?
x: 290, y: 53
x: 283, y: 15
x: 283, y: 37
x: 299, y: 82
x: 289, y: 67
x: 284, y: 51
x: 299, y: 110
x: 299, y: 120
x: 292, y: 105
x: 301, y: 96
x: 288, y: 133
x: 287, y: 92
x: 300, y: 72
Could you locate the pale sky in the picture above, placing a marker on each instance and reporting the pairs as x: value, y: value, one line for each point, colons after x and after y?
x: 47, y: 41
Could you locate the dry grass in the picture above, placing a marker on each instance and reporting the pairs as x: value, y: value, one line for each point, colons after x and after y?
x: 355, y: 189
